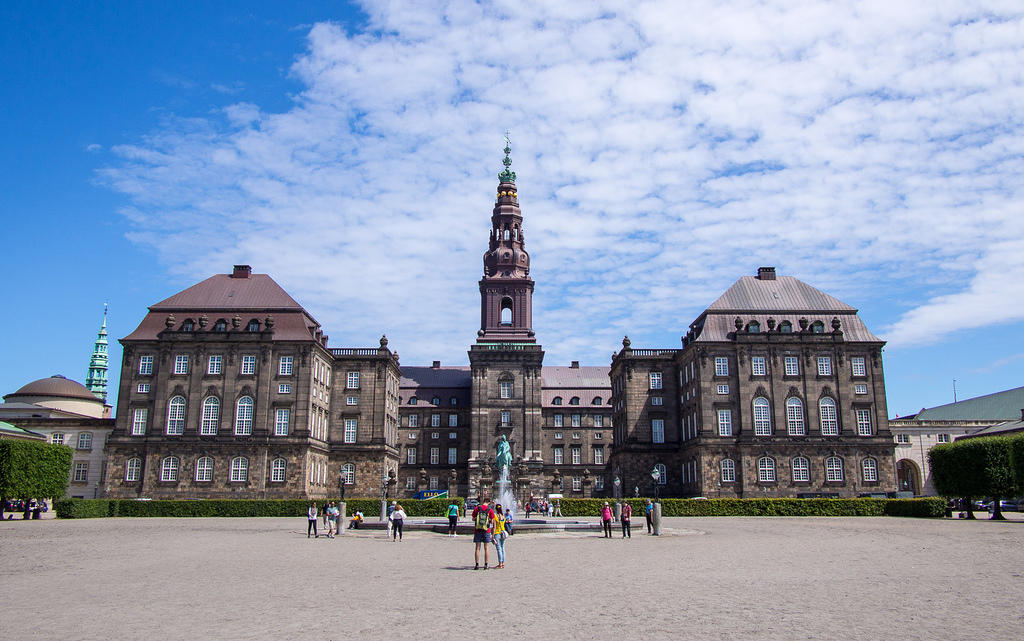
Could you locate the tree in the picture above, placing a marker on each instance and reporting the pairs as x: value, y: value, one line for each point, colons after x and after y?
x: 33, y: 470
x: 957, y: 472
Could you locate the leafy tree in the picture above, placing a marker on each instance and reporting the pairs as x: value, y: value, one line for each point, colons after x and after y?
x: 957, y: 472
x: 29, y: 469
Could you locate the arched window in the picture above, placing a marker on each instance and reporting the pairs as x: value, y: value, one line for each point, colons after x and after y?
x: 348, y: 472
x: 220, y: 326
x: 506, y: 315
x: 413, y: 400
x: 277, y: 470
x: 188, y: 325
x: 133, y: 469
x: 870, y: 469
x: 239, y: 469
x: 435, y: 401
x: 596, y: 401
x: 766, y: 469
x: 211, y: 416
x: 169, y: 469
x: 817, y: 327
x: 833, y: 468
x: 762, y: 417
x: 728, y: 470
x: 827, y: 413
x: 253, y: 326
x: 556, y: 400
x: 575, y: 400
x: 243, y: 416
x: 801, y: 469
x: 507, y: 235
x: 786, y: 327
x: 795, y: 417
x: 176, y: 415
x: 754, y: 327
x: 204, y: 469
x: 662, y: 473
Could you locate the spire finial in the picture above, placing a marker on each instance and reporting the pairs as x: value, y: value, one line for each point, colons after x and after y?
x: 507, y: 176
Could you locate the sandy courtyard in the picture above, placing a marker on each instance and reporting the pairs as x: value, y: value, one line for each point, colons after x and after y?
x: 707, y: 578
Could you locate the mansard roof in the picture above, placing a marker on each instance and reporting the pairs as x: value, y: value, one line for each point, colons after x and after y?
x: 436, y: 377
x: 781, y: 293
x: 590, y: 377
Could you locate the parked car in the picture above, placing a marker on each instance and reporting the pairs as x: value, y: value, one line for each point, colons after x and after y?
x: 470, y: 504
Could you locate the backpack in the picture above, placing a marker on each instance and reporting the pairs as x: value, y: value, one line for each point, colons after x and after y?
x: 483, y: 515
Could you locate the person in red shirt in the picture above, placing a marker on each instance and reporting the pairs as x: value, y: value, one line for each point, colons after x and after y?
x: 483, y: 519
x: 627, y: 513
x: 606, y: 520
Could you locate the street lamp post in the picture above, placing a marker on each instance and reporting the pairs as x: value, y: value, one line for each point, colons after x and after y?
x: 656, y: 512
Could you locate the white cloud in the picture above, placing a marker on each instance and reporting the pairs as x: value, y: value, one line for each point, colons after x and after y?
x: 662, y: 152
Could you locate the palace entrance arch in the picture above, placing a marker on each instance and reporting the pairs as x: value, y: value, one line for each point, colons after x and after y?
x: 908, y: 475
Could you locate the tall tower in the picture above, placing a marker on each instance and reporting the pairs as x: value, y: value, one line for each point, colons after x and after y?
x: 506, y: 360
x: 506, y: 290
x: 96, y: 382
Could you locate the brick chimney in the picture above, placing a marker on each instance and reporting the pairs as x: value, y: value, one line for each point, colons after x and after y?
x: 436, y: 365
x: 765, y: 273
x: 241, y: 271
x: 574, y: 365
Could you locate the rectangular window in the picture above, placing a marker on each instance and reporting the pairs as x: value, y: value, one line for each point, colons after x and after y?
x: 857, y: 366
x: 577, y: 484
x: 181, y: 364
x: 903, y: 438
x: 558, y: 435
x: 453, y: 420
x: 435, y: 420
x: 352, y: 380
x: 725, y: 422
x: 824, y: 366
x: 453, y: 434
x: 81, y: 472
x: 284, y: 366
x: 410, y: 456
x: 655, y: 380
x: 433, y: 483
x: 860, y: 389
x: 723, y: 389
x: 435, y: 435
x: 410, y: 483
x: 598, y: 420
x: 598, y: 436
x: 143, y: 388
x: 559, y: 453
x: 801, y: 470
x: 352, y: 400
x: 576, y: 435
x: 577, y: 456
x: 758, y: 366
x: 214, y: 363
x: 657, y: 400
x: 414, y: 420
x: 658, y: 430
x: 558, y: 420
x: 284, y: 388
x: 599, y: 483
x: 721, y: 366
x: 139, y: 418
x: 435, y: 456
x: 792, y: 366
x: 864, y: 423
x: 506, y: 417
x: 576, y: 421
x: 84, y: 441
x: 350, y: 430
x: 282, y: 417
x: 505, y: 389
x: 453, y: 455
x: 249, y: 364
x: 145, y: 365
x: 943, y: 438
x: 599, y: 455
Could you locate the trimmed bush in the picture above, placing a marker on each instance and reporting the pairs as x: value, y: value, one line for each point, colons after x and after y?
x: 93, y: 508
x: 927, y: 508
x: 29, y: 469
x: 83, y: 509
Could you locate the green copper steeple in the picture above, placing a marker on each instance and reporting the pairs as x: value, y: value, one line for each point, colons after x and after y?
x: 507, y: 176
x: 96, y: 382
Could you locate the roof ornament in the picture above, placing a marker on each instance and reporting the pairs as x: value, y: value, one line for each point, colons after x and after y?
x: 507, y: 176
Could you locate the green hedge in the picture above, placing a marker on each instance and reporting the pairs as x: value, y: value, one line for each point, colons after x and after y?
x: 29, y: 469
x: 93, y: 508
x: 927, y: 507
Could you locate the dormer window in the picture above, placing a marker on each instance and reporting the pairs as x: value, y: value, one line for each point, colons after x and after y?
x: 188, y: 325
x: 556, y: 400
x: 435, y: 401
x: 575, y: 400
x: 220, y: 326
x: 786, y: 327
x: 817, y: 327
x: 253, y: 326
x: 413, y: 400
x: 596, y: 401
x: 753, y: 327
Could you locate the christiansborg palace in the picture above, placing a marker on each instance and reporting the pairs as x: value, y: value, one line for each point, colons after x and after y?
x: 230, y: 389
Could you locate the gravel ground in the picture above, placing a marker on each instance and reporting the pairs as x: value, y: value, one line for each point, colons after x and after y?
x: 706, y: 578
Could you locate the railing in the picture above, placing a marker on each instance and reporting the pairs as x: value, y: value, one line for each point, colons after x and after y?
x: 655, y: 352
x: 353, y: 351
x: 508, y: 346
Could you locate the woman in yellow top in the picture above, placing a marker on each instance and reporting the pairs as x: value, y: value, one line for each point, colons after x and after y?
x: 499, y: 534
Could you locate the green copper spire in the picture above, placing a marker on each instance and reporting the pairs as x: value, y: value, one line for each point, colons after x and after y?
x: 507, y: 176
x: 96, y: 382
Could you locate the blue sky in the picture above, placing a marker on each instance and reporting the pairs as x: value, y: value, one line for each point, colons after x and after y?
x: 873, y: 149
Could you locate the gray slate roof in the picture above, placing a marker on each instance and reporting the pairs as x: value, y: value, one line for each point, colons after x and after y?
x: 436, y: 377
x: 999, y: 429
x: 1004, y: 406
x: 784, y: 293
x: 222, y: 292
x: 576, y: 377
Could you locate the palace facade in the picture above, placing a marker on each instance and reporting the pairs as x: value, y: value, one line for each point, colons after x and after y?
x: 229, y: 389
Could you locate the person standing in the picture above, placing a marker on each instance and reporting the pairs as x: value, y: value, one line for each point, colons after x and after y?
x: 529, y: 506
x: 311, y: 514
x: 391, y: 508
x: 498, y: 536
x: 627, y: 514
x: 453, y: 518
x: 323, y: 512
x: 332, y: 519
x: 649, y: 515
x: 606, y: 520
x: 483, y: 519
x: 397, y: 520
